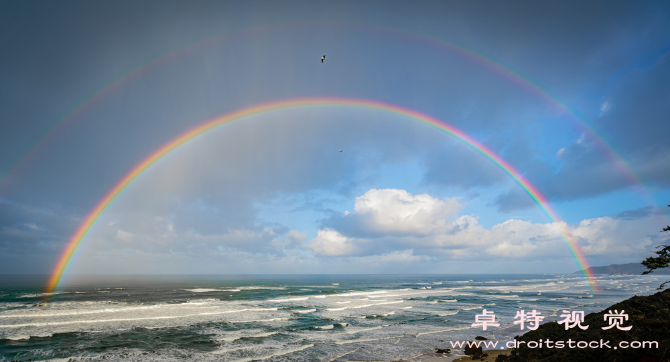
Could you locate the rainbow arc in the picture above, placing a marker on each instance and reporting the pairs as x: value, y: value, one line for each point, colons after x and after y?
x: 89, y: 222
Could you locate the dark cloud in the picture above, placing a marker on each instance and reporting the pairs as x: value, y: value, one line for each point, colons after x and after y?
x: 31, y: 237
x: 642, y: 212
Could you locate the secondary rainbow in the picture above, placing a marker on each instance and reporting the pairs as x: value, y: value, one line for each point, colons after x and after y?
x: 77, y: 239
x: 487, y: 61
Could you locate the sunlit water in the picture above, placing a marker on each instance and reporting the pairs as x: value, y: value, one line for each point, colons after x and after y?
x: 282, y: 318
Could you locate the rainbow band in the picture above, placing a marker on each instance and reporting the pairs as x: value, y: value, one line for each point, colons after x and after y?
x: 477, y: 56
x: 92, y: 218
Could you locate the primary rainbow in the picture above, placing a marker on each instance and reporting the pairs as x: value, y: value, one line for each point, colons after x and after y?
x: 92, y: 218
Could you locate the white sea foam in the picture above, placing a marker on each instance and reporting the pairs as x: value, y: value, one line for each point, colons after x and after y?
x: 443, y: 330
x: 354, y: 294
x: 235, y: 338
x: 280, y: 353
x: 472, y: 308
x: 288, y: 299
x: 366, y: 339
x: 303, y: 311
x: 260, y: 287
x: 261, y: 320
x: 359, y: 330
x: 79, y: 312
x: 228, y: 350
x: 113, y: 320
x: 370, y: 305
x: 448, y: 313
x: 40, y: 295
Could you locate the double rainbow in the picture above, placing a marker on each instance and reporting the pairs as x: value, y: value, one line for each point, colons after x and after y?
x: 92, y: 218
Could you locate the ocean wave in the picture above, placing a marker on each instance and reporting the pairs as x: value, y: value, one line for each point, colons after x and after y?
x: 380, y: 315
x: 45, y: 324
x: 40, y: 315
x: 261, y: 320
x: 359, y: 340
x: 228, y: 350
x: 370, y: 305
x: 27, y: 336
x: 473, y: 308
x: 258, y: 287
x: 280, y: 353
x: 448, y: 313
x: 235, y: 338
x: 106, y: 310
x: 304, y: 311
x: 288, y: 299
x: 354, y: 294
x: 365, y: 329
x: 443, y: 330
x: 40, y: 295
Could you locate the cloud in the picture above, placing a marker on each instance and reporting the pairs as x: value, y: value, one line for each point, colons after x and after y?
x: 331, y: 243
x: 642, y: 212
x: 393, y: 211
x: 295, y: 238
x: 392, y: 221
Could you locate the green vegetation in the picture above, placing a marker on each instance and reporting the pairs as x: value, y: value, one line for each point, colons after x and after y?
x: 660, y: 261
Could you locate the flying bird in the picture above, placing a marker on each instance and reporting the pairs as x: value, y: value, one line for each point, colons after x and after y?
x: 323, y: 58
x: 340, y: 150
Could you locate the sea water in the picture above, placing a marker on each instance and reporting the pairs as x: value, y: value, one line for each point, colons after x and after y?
x: 282, y: 317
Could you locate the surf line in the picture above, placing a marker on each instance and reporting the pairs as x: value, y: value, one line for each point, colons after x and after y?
x: 82, y: 231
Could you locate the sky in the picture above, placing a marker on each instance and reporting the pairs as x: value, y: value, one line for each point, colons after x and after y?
x: 572, y: 95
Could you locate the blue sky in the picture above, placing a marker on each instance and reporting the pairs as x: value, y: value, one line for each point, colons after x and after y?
x: 273, y: 194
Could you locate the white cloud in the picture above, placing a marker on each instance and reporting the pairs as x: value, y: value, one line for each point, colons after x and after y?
x: 331, y: 243
x: 604, y: 108
x: 618, y: 237
x: 124, y: 235
x: 398, y: 211
x: 560, y: 153
x: 295, y: 237
x: 431, y: 227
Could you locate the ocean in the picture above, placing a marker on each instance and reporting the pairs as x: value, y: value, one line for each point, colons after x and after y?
x: 282, y: 317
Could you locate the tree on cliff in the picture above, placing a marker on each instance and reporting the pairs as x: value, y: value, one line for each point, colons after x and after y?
x: 660, y: 261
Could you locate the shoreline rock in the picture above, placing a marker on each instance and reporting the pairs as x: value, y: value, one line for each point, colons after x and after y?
x: 649, y: 317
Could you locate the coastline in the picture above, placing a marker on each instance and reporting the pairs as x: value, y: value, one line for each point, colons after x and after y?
x: 647, y: 322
